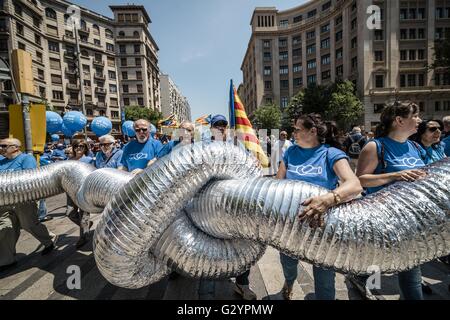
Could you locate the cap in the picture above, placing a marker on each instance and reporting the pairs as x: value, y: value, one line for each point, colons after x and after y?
x: 218, y: 118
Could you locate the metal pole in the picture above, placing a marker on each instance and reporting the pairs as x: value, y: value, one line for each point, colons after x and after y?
x: 80, y: 77
x: 27, y: 124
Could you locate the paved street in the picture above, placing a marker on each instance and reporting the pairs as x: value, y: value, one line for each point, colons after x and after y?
x: 37, y: 277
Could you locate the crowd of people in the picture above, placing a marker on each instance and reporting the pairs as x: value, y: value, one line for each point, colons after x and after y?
x: 350, y: 166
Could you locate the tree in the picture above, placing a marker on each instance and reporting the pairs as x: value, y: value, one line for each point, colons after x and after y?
x: 134, y: 113
x: 442, y: 54
x: 293, y: 111
x: 316, y: 98
x: 268, y: 117
x: 344, y: 106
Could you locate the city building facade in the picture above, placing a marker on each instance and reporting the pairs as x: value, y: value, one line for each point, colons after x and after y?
x: 118, y: 56
x: 322, y: 41
x: 172, y: 101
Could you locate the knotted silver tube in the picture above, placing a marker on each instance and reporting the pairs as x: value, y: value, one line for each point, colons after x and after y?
x: 205, y: 211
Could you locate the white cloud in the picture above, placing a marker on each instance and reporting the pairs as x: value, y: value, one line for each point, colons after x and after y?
x: 193, y: 54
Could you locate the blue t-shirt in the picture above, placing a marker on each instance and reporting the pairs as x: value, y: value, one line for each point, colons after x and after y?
x: 86, y: 159
x: 57, y: 153
x: 446, y: 143
x: 398, y: 156
x: 137, y: 155
x: 112, y: 162
x: 313, y: 165
x: 167, y: 148
x: 21, y: 162
x: 45, y: 159
x: 434, y: 153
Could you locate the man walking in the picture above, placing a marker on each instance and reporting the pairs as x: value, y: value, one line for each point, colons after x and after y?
x: 24, y: 215
x: 353, y: 146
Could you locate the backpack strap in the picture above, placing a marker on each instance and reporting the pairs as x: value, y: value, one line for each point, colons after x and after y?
x: 381, y: 154
x: 419, y: 150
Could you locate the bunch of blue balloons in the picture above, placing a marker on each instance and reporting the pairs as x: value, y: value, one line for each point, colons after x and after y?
x: 74, y: 121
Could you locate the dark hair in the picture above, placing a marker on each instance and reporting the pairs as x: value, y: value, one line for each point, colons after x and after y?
x: 417, y: 137
x: 390, y: 112
x: 79, y: 142
x: 327, y: 131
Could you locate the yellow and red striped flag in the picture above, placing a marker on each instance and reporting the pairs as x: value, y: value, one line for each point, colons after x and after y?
x: 244, y: 129
x: 204, y: 120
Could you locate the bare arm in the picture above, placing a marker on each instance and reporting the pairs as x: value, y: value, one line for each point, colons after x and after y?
x: 281, y: 174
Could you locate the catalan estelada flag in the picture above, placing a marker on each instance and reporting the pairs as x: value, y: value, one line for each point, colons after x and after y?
x: 169, y: 122
x: 243, y: 127
x: 204, y: 120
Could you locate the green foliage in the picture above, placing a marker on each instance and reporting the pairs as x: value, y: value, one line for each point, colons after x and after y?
x: 268, y: 117
x: 134, y: 113
x: 442, y: 55
x: 336, y: 101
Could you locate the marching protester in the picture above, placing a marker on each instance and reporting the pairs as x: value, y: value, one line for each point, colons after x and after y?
x: 391, y: 157
x: 278, y: 150
x: 353, y: 145
x: 140, y: 153
x: 315, y: 159
x: 446, y: 139
x: 109, y: 155
x: 58, y: 153
x: 20, y: 216
x: 80, y: 151
x: 186, y: 136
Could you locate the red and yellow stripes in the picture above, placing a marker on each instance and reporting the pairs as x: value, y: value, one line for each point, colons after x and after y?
x: 245, y: 132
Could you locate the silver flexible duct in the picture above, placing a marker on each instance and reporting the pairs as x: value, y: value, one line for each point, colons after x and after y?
x: 144, y: 229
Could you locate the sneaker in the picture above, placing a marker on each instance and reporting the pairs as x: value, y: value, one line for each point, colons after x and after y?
x: 8, y: 266
x: 287, y: 291
x: 426, y: 288
x: 81, y: 241
x: 244, y: 291
x: 360, y: 285
x: 48, y: 249
x: 46, y: 218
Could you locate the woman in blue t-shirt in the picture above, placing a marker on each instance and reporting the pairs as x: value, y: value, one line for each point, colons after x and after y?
x: 429, y: 137
x: 315, y: 159
x: 391, y: 157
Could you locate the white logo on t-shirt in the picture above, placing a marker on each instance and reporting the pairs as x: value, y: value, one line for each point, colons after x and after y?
x: 138, y: 156
x: 406, y: 162
x: 306, y: 170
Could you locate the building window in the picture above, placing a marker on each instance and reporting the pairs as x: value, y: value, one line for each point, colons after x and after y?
x: 139, y: 88
x: 354, y: 63
x: 296, y: 40
x: 267, y: 84
x: 326, y: 6
x: 338, y: 20
x: 412, y: 33
x: 17, y: 9
x: 284, y: 84
x: 282, y: 42
x: 354, y: 42
x: 379, y: 81
x: 138, y: 75
x: 311, y: 35
x: 412, y: 55
x: 36, y: 22
x: 421, y: 54
x: 339, y: 36
x: 298, y: 19
x: 125, y: 75
x: 284, y: 23
x: 55, y: 64
x: 125, y: 88
x: 126, y: 101
x: 267, y: 71
x: 354, y: 24
x: 39, y: 57
x: 284, y: 102
x: 110, y: 47
x: 312, y: 13
x: 340, y: 71
x: 411, y: 80
x: 297, y: 67
x: 123, y: 62
x: 37, y: 39
x: 57, y: 95
x: 326, y: 59
x: 421, y: 33
x: 311, y: 49
x: 137, y: 48
x: 266, y: 43
x: 137, y: 62
x: 312, y: 64
x: 325, y: 44
x: 403, y: 34
x: 112, y: 74
x: 403, y: 55
x: 109, y: 34
x: 19, y: 28
x: 412, y: 14
x: 21, y: 45
x: 326, y: 75
x: 421, y: 13
x: 97, y: 42
x: 298, y: 82
x: 296, y: 53
x: 339, y: 53
x: 403, y: 14
x: 284, y: 70
x: 50, y: 13
x: 421, y: 79
x: 379, y: 35
x: 283, y: 55
x: 112, y: 88
x: 267, y: 56
x: 140, y: 101
x: 325, y: 28
x: 379, y: 55
x: 312, y: 79
x: 56, y: 79
x: 122, y: 48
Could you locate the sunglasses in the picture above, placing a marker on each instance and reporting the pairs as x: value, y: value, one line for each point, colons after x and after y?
x: 141, y: 130
x: 220, y: 124
x: 434, y: 129
x: 6, y: 146
x: 106, y: 144
x: 79, y: 147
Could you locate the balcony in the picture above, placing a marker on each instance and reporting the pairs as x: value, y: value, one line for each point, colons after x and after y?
x: 84, y: 29
x: 73, y: 86
x: 74, y: 102
x: 4, y: 30
x: 102, y: 105
x: 99, y: 76
x: 32, y: 7
x: 72, y: 72
x: 100, y: 90
x: 69, y: 55
x: 99, y: 63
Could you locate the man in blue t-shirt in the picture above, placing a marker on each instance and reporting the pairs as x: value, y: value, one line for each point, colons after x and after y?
x: 446, y: 139
x: 24, y: 215
x: 142, y: 152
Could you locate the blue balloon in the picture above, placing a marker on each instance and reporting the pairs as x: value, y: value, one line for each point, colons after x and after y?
x: 55, y: 137
x: 152, y: 130
x: 101, y: 126
x: 54, y: 122
x: 128, y: 128
x: 66, y: 131
x: 74, y: 121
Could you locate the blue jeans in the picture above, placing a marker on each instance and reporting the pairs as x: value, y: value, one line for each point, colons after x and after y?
x: 42, y: 209
x: 410, y: 283
x: 324, y: 279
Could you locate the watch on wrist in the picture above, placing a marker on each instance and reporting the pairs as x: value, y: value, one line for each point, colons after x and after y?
x: 337, y: 197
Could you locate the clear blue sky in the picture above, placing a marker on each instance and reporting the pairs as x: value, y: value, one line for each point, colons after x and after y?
x: 202, y: 43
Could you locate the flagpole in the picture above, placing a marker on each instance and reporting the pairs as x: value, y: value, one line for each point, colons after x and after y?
x: 231, y: 107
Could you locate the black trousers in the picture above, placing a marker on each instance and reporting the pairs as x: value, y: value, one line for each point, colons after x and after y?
x: 243, y: 278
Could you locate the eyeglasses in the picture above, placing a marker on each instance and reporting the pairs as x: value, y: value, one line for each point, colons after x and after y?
x: 141, y: 130
x: 106, y: 144
x: 220, y: 124
x: 433, y: 129
x: 6, y: 146
x: 79, y: 147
